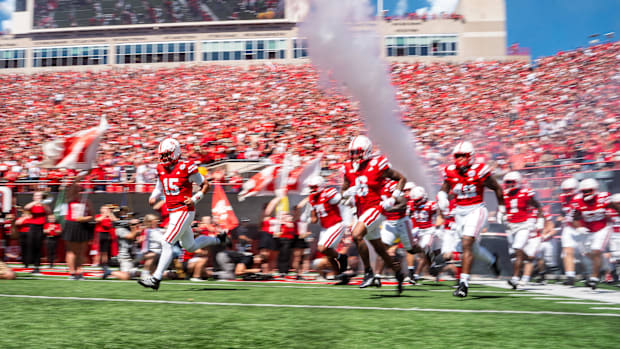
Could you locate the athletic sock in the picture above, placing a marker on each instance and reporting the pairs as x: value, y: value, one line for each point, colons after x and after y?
x: 525, y: 278
x: 164, y: 260
x: 465, y: 279
x: 570, y: 274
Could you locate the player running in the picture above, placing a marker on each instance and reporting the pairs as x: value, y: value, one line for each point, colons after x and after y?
x: 175, y: 180
x: 363, y: 180
x: 466, y: 181
x: 570, y: 239
x: 590, y: 217
x: 427, y: 218
x: 522, y: 231
x: 325, y: 210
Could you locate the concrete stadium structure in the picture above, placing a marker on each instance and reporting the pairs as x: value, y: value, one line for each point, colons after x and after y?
x: 477, y: 33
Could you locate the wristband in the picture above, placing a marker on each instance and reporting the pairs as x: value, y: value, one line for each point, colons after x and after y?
x: 540, y: 223
x: 197, y: 197
x: 396, y: 193
x: 442, y: 195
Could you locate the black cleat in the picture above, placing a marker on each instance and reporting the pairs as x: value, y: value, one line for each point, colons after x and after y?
x: 513, y: 283
x: 342, y: 263
x: 400, y: 277
x: 461, y: 291
x: 106, y: 273
x: 369, y: 280
x: 344, y: 279
x: 412, y: 278
x: 570, y: 281
x: 592, y: 284
x: 495, y: 266
x: 150, y: 282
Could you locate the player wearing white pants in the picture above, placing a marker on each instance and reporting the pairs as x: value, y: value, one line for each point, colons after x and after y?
x: 398, y: 229
x: 468, y: 223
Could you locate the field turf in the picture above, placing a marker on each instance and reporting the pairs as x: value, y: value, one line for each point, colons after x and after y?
x: 60, y: 313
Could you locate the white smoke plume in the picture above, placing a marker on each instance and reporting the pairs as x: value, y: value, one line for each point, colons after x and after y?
x: 438, y: 6
x: 353, y: 58
x: 401, y: 8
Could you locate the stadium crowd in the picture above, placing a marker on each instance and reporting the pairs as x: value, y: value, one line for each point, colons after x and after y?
x: 559, y: 110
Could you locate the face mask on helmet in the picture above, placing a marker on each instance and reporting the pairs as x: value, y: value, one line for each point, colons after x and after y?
x: 169, y: 152
x: 360, y: 149
x: 462, y: 160
x: 588, y: 188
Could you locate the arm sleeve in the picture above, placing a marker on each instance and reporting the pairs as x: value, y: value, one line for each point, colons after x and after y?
x: 197, y: 178
x: 157, y: 191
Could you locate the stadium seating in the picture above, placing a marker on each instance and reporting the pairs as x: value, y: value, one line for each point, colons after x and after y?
x: 519, y: 115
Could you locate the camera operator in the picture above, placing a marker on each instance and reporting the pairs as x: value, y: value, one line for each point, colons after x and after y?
x: 127, y: 230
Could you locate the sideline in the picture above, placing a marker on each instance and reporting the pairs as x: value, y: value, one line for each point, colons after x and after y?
x: 341, y: 307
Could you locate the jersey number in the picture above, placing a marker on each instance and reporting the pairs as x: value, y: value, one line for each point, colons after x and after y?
x: 514, y: 206
x: 362, y: 186
x: 465, y: 191
x: 320, y: 210
x: 170, y: 186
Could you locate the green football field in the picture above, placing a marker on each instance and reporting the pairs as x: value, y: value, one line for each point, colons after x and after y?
x: 60, y: 313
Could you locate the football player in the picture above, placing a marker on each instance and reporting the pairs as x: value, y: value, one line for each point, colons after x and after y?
x: 397, y: 226
x: 363, y: 180
x: 325, y: 210
x: 570, y: 239
x: 466, y: 180
x: 175, y: 178
x: 590, y: 217
x: 522, y: 232
x: 427, y: 218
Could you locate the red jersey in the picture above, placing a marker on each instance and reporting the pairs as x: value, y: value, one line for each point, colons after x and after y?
x: 594, y: 215
x: 369, y: 180
x: 565, y: 200
x: 104, y: 226
x: 270, y: 225
x: 518, y: 208
x: 424, y: 214
x: 176, y: 184
x: 52, y: 229
x: 39, y: 215
x: 325, y: 205
x: 467, y: 188
x: 389, y: 185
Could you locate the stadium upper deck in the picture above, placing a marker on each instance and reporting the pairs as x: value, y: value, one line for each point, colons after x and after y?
x: 58, y: 34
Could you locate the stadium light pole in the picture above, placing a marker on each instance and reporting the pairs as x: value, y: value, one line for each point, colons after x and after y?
x: 380, y: 8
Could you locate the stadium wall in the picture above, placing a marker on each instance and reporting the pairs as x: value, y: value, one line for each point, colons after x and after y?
x: 479, y: 35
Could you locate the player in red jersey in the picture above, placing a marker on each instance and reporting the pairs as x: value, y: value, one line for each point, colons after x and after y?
x: 325, y: 210
x: 570, y: 239
x: 521, y: 229
x: 175, y: 178
x: 363, y: 179
x: 589, y: 216
x: 426, y: 216
x: 397, y: 225
x: 466, y: 181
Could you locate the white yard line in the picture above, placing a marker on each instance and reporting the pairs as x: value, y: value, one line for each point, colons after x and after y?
x: 302, y: 306
x: 605, y: 308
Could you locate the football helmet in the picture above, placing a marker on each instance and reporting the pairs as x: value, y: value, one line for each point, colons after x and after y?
x: 169, y: 152
x: 360, y: 150
x: 418, y: 195
x: 588, y: 188
x: 512, y: 180
x: 569, y: 185
x: 464, y: 155
x: 315, y: 183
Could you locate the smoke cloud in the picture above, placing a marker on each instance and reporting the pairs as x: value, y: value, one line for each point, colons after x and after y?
x: 401, y: 8
x: 353, y: 58
x: 438, y: 6
x: 7, y: 7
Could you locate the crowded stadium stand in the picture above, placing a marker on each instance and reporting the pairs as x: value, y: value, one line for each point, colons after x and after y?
x: 232, y: 81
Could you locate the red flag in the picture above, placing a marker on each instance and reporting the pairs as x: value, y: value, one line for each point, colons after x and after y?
x: 221, y: 210
x: 75, y: 151
x: 269, y: 179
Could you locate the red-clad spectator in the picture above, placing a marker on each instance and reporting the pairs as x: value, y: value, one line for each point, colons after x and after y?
x: 52, y: 231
